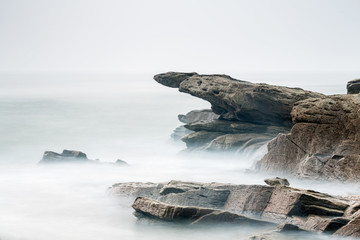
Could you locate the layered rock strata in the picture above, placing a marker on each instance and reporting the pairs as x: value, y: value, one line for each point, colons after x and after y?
x: 250, y: 114
x: 306, y: 209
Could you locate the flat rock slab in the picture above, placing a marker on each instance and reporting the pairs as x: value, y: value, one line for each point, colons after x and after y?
x: 191, y: 215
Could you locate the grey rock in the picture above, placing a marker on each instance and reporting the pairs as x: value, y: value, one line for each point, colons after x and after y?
x: 200, y: 139
x: 121, y: 162
x: 205, y: 115
x: 191, y: 215
x: 67, y: 156
x: 239, y: 100
x: 277, y: 181
x: 353, y: 87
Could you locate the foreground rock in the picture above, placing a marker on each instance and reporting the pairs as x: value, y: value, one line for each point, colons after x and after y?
x: 191, y: 215
x: 323, y: 143
x: 304, y: 209
x: 72, y: 156
x: 250, y: 115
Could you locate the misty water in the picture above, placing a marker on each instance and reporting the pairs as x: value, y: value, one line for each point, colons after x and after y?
x: 110, y: 117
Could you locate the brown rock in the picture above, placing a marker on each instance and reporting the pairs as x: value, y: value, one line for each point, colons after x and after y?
x: 323, y: 143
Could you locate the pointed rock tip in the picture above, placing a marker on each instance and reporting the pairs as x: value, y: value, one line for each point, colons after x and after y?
x: 172, y: 79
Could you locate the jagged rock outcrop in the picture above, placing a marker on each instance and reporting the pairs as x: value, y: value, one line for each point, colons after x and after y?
x: 306, y: 209
x: 353, y: 86
x: 250, y: 114
x: 323, y: 143
x: 239, y: 100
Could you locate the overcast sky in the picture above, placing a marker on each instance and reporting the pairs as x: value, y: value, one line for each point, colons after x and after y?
x: 188, y: 35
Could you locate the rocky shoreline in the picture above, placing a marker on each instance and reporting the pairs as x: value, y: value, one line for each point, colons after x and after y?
x: 308, y: 135
x: 292, y: 209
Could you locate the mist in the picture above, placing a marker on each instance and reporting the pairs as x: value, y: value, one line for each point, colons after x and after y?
x: 78, y: 75
x: 127, y: 117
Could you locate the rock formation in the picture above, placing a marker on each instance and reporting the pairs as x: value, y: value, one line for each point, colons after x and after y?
x: 323, y: 143
x: 353, y: 86
x: 67, y: 156
x: 250, y: 115
x: 215, y: 202
x: 72, y: 156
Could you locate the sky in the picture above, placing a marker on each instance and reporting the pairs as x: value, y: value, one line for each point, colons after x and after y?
x: 108, y: 36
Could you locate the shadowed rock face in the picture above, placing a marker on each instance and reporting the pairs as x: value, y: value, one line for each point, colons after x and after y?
x: 323, y: 143
x: 353, y: 87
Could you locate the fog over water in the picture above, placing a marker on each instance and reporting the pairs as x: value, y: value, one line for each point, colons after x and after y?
x: 109, y: 117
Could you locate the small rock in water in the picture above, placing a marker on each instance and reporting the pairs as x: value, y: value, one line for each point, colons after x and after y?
x: 277, y: 181
x: 121, y: 162
x: 65, y: 157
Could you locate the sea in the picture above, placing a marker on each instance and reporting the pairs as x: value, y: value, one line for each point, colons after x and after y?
x: 111, y: 116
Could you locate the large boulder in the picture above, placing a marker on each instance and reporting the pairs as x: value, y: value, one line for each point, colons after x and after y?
x: 323, y: 143
x: 239, y: 100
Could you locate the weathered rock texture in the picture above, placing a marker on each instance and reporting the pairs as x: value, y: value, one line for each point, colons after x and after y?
x: 250, y: 115
x: 239, y: 100
x: 185, y: 214
x: 323, y: 143
x: 353, y: 86
x: 308, y: 210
